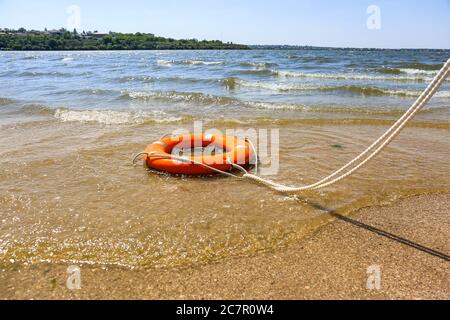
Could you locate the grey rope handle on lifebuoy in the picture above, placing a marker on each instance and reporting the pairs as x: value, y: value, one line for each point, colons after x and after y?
x: 188, y: 160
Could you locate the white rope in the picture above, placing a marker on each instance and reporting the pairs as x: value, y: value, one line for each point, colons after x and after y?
x: 255, y: 153
x: 137, y: 156
x: 188, y: 160
x: 385, y: 139
x: 333, y: 178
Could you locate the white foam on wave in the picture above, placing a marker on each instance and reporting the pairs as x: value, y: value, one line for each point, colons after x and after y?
x: 164, y: 63
x: 276, y: 106
x: 110, y: 117
x: 169, y: 63
x: 151, y: 95
x: 431, y: 73
x: 258, y: 65
x: 67, y: 59
x: 414, y: 93
x: 442, y: 94
x: 363, y: 90
x: 31, y: 57
x: 197, y: 62
x: 140, y: 95
x: 174, y: 96
x: 345, y: 76
x: 275, y: 86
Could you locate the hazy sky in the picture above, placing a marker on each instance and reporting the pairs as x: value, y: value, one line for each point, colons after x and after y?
x: 343, y: 23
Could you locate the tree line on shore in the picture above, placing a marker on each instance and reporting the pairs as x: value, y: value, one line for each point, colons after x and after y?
x: 63, y: 39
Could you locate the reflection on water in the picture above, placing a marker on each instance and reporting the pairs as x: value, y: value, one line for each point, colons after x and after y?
x: 70, y: 127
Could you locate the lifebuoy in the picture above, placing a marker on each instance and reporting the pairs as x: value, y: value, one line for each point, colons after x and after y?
x: 232, y: 150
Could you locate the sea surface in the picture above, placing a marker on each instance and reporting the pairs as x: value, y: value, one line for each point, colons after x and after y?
x: 70, y: 123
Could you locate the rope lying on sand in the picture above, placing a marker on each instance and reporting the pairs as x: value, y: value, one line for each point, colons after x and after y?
x: 358, y: 162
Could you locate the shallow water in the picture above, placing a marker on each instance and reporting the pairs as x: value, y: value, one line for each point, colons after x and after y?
x: 71, y: 121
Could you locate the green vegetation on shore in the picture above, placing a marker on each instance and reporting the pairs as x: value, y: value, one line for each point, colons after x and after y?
x: 63, y: 39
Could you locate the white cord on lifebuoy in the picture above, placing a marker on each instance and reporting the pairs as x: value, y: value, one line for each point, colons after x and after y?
x: 157, y: 156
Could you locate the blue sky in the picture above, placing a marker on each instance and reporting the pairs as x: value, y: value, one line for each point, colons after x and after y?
x: 404, y: 23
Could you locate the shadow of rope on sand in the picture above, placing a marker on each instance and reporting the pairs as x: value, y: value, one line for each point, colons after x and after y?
x: 382, y: 233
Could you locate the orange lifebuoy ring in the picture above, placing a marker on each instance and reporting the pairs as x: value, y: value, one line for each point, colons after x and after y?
x: 234, y: 150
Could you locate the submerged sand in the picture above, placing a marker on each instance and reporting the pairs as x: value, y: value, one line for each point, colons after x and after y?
x: 407, y: 240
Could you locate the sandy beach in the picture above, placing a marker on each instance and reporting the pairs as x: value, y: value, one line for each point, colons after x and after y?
x: 408, y: 240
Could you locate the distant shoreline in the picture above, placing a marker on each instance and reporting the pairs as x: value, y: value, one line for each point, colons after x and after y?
x: 64, y: 40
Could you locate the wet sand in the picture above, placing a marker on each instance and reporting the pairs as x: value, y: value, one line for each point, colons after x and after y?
x: 408, y: 240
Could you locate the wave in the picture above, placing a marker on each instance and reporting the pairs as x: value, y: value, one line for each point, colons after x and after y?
x: 410, y: 71
x: 311, y: 59
x: 421, y: 66
x: 30, y: 57
x: 139, y: 117
x: 206, y: 99
x: 374, y: 91
x: 96, y: 92
x: 109, y: 117
x: 125, y: 79
x: 275, y: 106
x: 388, y: 70
x: 327, y: 109
x: 410, y: 75
x: 198, y: 98
x: 442, y: 94
x: 151, y: 79
x: 86, y: 92
x: 46, y: 74
x: 169, y: 63
x: 164, y: 63
x: 318, y: 59
x: 349, y: 76
x: 258, y: 64
x: 355, y: 89
x: 262, y: 71
x: 41, y: 55
x: 175, y: 96
x: 196, y: 62
x: 418, y: 72
x: 38, y: 55
x: 274, y: 86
